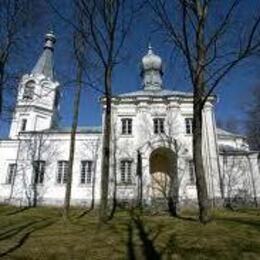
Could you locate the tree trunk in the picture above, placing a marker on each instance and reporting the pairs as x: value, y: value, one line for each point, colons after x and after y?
x: 253, y: 181
x: 198, y: 104
x: 221, y: 182
x: 201, y: 183
x: 140, y: 181
x: 173, y: 194
x: 114, y: 199
x: 106, y: 149
x: 72, y: 144
x: 1, y: 86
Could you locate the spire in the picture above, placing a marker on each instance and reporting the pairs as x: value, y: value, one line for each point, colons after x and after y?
x: 44, y: 65
x: 151, y: 70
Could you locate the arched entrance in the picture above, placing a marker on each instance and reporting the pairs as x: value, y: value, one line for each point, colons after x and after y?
x: 163, y: 169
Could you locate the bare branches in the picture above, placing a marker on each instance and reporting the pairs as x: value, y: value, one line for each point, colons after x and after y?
x: 79, y: 52
x: 103, y: 29
x: 186, y: 42
x: 223, y: 26
x: 252, y: 123
x: 198, y: 37
x: 185, y: 34
x: 252, y: 46
x: 160, y: 9
x: 12, y: 19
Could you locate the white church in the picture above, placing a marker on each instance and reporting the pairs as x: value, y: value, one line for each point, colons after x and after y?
x: 149, y: 127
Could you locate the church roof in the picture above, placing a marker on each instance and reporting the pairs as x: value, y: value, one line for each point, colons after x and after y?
x: 160, y: 93
x: 98, y: 130
x: 80, y: 129
x: 44, y: 65
x: 232, y: 150
x: 222, y: 132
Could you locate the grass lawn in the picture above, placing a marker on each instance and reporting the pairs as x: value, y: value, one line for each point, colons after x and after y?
x: 40, y: 233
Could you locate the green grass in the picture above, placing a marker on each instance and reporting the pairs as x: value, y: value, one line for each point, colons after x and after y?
x: 40, y: 233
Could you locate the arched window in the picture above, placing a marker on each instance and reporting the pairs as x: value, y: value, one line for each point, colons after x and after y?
x: 29, y: 90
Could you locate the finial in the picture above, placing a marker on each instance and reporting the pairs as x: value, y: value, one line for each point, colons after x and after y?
x: 150, y: 48
x: 50, y: 40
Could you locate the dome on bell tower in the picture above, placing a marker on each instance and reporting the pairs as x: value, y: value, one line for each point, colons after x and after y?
x: 44, y: 65
x: 151, y: 71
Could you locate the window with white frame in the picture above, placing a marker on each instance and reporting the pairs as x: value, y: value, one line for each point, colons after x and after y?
x: 11, y: 173
x: 62, y: 172
x: 86, y: 172
x: 126, y: 171
x: 29, y: 91
x: 191, y: 172
x: 158, y: 125
x: 38, y: 172
x: 188, y: 125
x: 126, y: 126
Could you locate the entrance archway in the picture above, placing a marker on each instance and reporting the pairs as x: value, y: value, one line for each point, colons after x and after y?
x: 163, y: 167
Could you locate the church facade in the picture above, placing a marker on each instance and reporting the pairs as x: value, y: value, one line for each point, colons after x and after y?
x: 151, y: 132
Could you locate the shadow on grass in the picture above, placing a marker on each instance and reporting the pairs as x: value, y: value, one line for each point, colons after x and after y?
x: 8, y: 211
x: 19, y: 210
x: 148, y: 238
x: 33, y: 226
x: 130, y: 244
x: 148, y: 248
x: 192, y: 219
x: 253, y: 223
x: 13, y: 231
x: 85, y: 212
x: 18, y: 244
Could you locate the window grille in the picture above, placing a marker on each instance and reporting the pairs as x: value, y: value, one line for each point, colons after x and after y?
x: 11, y: 173
x: 39, y: 171
x: 126, y: 126
x: 188, y: 125
x: 62, y: 172
x: 126, y: 171
x: 86, y: 172
x: 159, y: 125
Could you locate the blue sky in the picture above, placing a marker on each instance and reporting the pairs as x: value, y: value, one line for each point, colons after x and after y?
x: 232, y: 93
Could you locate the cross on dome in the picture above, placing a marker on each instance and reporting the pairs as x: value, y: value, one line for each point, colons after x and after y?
x: 150, y: 48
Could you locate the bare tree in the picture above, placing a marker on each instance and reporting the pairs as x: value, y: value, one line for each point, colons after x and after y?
x: 239, y: 183
x: 109, y: 23
x: 114, y: 149
x: 79, y: 51
x: 210, y: 51
x: 253, y: 181
x: 15, y: 17
x: 253, y: 119
x: 106, y: 26
x: 34, y: 154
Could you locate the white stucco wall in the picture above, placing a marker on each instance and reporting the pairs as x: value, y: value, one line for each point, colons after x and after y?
x: 24, y: 148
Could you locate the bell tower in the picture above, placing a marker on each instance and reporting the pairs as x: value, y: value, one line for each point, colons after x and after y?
x: 37, y: 98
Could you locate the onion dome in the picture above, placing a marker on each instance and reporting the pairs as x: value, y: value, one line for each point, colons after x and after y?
x: 151, y: 60
x: 151, y: 71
